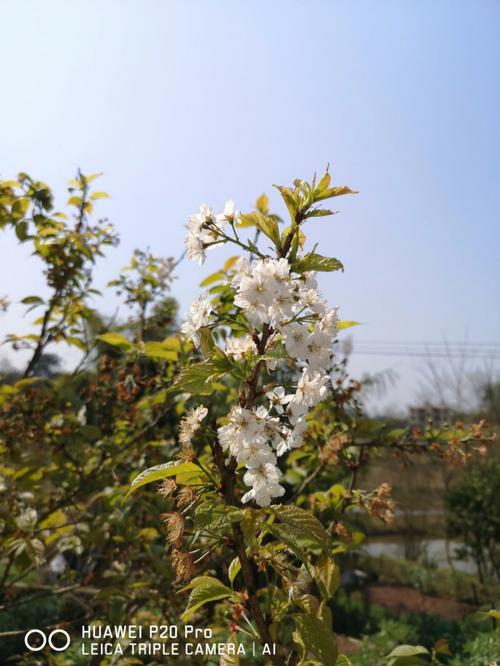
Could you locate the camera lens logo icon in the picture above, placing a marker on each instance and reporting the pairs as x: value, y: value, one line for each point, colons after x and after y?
x: 35, y: 645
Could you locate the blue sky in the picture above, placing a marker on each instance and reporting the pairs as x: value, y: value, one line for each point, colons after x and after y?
x: 181, y: 102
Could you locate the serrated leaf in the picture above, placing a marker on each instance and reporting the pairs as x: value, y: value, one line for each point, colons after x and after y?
x: 316, y: 262
x: 203, y: 594
x: 319, y: 212
x: 317, y: 638
x: 327, y: 576
x: 330, y: 192
x: 197, y: 378
x: 289, y: 200
x: 324, y: 183
x: 266, y: 225
x: 159, y: 472
x: 289, y: 538
x: 301, y: 521
x: 207, y: 342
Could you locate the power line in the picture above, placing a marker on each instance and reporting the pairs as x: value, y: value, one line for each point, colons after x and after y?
x: 422, y: 349
x: 423, y: 354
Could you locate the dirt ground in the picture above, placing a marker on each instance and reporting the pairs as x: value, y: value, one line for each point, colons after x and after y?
x: 400, y: 599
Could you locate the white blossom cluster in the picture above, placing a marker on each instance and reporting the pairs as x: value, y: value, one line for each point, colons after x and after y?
x: 289, y: 308
x: 203, y: 229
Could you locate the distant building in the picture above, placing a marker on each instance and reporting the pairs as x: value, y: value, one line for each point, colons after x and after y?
x: 420, y: 416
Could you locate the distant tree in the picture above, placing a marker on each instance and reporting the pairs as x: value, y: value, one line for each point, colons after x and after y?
x: 473, y: 515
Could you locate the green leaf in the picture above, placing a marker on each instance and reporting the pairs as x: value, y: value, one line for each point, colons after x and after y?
x: 211, y: 279
x: 267, y: 225
x: 289, y: 200
x: 32, y: 300
x: 234, y: 569
x: 229, y: 263
x: 347, y: 324
x: 231, y: 659
x: 323, y: 184
x: 159, y: 472
x: 262, y: 204
x: 327, y: 576
x: 115, y: 340
x: 197, y: 378
x: 19, y: 208
x: 319, y: 212
x: 317, y: 638
x: 342, y: 660
x: 442, y: 647
x: 207, y: 342
x: 200, y: 580
x: 204, y: 592
x: 408, y: 651
x: 289, y: 538
x: 330, y: 192
x: 22, y: 230
x: 160, y: 350
x: 302, y: 522
x: 316, y: 262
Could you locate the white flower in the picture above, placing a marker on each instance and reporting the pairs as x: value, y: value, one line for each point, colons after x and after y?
x: 255, y: 454
x: 271, y: 427
x: 282, y: 306
x: 278, y: 398
x: 296, y: 409
x: 311, y: 388
x: 197, y: 235
x: 242, y: 429
x: 198, y: 317
x: 191, y: 423
x: 237, y: 347
x: 311, y: 299
x: 203, y: 229
x: 328, y: 323
x: 318, y: 350
x: 296, y: 336
x: 229, y: 214
x: 195, y: 248
x: 295, y: 439
x: 264, y: 290
x: 241, y: 270
x: 255, y: 295
x: 310, y: 281
x: 82, y: 415
x: 27, y: 520
x: 264, y: 481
